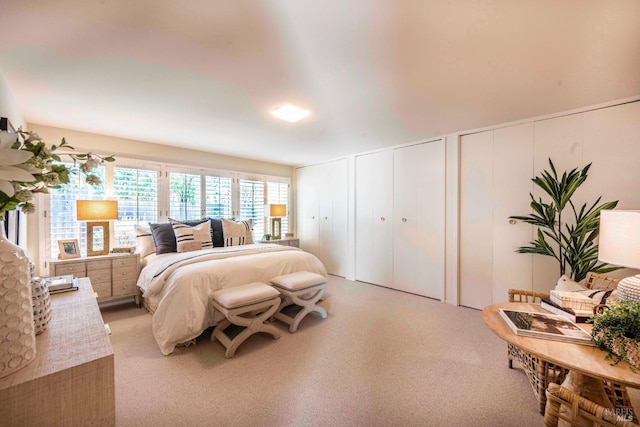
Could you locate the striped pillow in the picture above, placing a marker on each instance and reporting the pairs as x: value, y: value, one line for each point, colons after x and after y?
x: 192, y: 238
x: 237, y: 233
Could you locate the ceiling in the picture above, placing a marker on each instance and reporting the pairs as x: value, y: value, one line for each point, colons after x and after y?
x: 204, y: 74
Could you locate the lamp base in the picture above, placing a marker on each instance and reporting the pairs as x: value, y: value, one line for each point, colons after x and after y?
x: 629, y: 289
x: 97, y: 238
x: 276, y: 224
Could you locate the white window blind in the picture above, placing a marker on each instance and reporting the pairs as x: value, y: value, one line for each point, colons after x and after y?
x: 136, y: 191
x: 218, y: 196
x: 278, y: 192
x: 252, y: 204
x: 63, y: 209
x: 184, y: 196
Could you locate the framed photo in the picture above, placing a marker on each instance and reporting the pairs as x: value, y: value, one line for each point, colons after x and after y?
x: 69, y: 248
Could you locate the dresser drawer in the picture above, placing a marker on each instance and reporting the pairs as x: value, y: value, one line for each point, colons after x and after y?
x: 124, y: 287
x: 102, y: 289
x: 104, y: 264
x: 128, y: 274
x: 75, y: 268
x: 125, y: 262
x: 99, y: 276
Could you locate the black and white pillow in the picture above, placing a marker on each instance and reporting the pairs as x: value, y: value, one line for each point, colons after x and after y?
x: 192, y: 238
x: 237, y: 233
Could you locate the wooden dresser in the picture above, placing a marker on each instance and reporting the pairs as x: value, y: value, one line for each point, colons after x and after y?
x: 112, y: 276
x: 71, y: 380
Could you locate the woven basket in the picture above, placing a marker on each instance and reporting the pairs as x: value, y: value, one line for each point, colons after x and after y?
x: 633, y: 351
x: 41, y: 304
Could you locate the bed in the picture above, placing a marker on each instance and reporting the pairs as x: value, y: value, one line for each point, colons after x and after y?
x: 176, y: 286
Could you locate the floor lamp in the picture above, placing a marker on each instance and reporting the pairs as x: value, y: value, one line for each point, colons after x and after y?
x: 97, y: 213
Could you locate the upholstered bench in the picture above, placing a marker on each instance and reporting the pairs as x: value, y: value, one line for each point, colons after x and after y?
x: 247, y: 305
x: 303, y: 289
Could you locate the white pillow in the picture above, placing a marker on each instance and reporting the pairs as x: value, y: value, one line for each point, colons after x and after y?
x: 145, y: 245
x: 237, y: 233
x: 192, y: 238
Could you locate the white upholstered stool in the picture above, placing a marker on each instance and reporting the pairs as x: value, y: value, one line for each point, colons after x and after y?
x: 304, y: 289
x: 246, y: 305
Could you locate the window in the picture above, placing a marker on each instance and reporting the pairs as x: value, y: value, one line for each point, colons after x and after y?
x: 62, y: 219
x: 184, y: 196
x: 136, y: 191
x: 278, y: 192
x: 252, y: 204
x: 218, y: 196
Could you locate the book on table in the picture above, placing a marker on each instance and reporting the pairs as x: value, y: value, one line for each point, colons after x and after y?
x: 573, y: 314
x: 545, y: 325
x: 59, y: 282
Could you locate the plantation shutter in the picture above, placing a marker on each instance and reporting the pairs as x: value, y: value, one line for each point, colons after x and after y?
x: 278, y: 192
x: 184, y: 196
x: 252, y: 205
x: 137, y: 193
x: 218, y: 196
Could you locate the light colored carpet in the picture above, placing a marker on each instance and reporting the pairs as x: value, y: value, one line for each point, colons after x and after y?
x: 381, y: 358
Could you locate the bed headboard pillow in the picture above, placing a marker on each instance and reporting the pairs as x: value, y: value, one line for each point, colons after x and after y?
x: 248, y: 228
x: 192, y: 238
x: 144, y: 241
x: 217, y: 233
x: 164, y: 237
x: 237, y: 233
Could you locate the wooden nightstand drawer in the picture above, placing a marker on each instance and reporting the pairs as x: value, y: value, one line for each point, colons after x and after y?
x: 99, y: 276
x: 75, y: 268
x: 124, y: 262
x: 128, y: 274
x: 123, y: 287
x: 102, y: 289
x: 98, y: 265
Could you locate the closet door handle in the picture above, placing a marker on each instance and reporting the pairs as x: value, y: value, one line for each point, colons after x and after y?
x: 404, y: 219
x: 382, y: 218
x: 512, y: 221
x: 326, y: 217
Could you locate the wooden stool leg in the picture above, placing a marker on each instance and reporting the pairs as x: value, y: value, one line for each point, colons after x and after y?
x: 308, y: 305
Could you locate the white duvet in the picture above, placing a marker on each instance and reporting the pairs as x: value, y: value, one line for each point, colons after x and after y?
x: 180, y: 284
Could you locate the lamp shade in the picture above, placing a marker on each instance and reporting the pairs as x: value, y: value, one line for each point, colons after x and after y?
x: 278, y: 210
x: 96, y: 210
x: 619, y: 242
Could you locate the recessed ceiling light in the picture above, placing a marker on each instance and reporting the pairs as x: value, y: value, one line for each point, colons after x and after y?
x: 290, y: 113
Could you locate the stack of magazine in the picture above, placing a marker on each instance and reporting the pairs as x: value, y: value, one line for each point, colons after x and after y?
x: 547, y: 326
x: 60, y: 284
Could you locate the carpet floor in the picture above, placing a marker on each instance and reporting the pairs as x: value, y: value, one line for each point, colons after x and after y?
x: 381, y: 358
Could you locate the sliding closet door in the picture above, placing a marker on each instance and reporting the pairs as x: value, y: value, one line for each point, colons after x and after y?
x: 476, y: 220
x: 307, y: 195
x: 512, y: 173
x: 332, y: 216
x: 374, y: 221
x: 419, y: 206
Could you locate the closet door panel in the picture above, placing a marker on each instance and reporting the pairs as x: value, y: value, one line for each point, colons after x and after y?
x: 476, y: 220
x: 374, y: 206
x: 561, y: 140
x: 419, y: 219
x: 332, y: 217
x: 307, y: 192
x: 512, y: 172
x: 612, y: 144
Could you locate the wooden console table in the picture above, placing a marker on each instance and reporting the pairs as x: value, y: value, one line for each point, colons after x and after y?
x: 71, y: 381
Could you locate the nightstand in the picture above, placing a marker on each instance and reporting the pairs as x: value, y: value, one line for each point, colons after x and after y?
x: 291, y: 241
x: 113, y: 276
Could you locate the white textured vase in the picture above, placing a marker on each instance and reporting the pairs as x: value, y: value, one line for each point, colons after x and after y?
x: 17, y: 331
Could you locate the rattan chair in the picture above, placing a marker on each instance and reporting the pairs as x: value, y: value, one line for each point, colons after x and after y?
x: 580, y: 411
x: 542, y: 373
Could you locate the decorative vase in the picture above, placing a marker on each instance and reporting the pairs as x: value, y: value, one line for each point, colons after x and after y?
x: 17, y: 331
x: 41, y: 304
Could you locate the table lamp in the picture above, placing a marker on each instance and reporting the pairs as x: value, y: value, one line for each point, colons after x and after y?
x: 275, y: 212
x: 619, y: 244
x: 97, y: 213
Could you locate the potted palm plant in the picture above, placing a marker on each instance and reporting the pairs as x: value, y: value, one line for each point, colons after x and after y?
x: 572, y: 241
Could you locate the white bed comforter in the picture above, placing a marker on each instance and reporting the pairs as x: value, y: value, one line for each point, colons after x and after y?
x: 180, y: 284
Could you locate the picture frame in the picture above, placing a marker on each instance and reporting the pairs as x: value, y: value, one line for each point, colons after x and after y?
x: 69, y: 248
